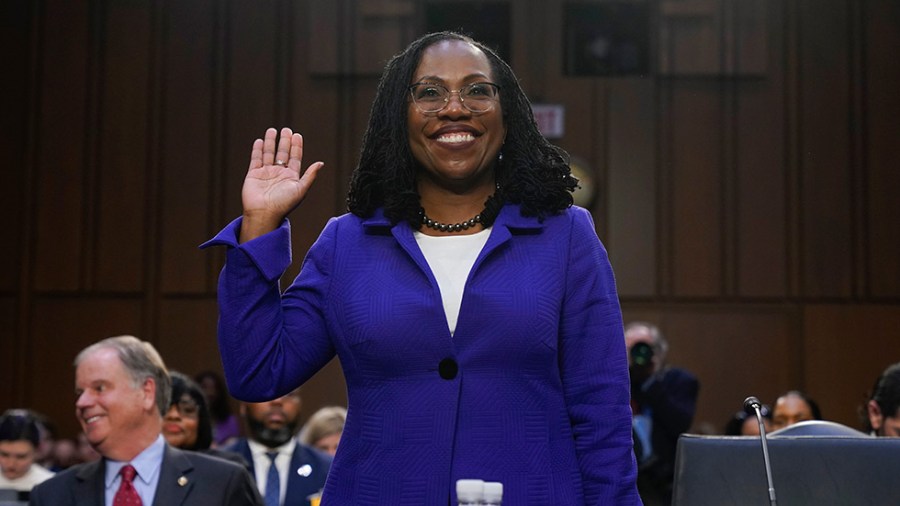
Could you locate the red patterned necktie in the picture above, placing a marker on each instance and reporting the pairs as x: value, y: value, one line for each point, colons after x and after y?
x: 127, y: 495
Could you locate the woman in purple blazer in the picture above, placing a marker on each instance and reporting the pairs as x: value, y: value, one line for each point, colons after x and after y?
x: 472, y: 307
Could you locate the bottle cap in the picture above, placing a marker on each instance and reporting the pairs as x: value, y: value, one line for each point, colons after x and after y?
x: 493, y: 492
x: 469, y: 490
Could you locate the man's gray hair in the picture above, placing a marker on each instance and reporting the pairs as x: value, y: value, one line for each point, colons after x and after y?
x: 141, y: 362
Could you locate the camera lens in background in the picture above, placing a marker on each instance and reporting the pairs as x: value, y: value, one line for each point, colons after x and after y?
x: 641, y: 354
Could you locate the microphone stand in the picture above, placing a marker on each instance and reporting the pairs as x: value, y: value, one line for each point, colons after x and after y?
x: 753, y: 402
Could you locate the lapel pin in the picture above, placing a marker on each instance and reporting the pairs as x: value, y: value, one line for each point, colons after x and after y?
x: 182, y: 481
x: 304, y: 470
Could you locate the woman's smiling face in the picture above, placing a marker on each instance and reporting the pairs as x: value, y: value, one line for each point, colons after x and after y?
x: 456, y: 147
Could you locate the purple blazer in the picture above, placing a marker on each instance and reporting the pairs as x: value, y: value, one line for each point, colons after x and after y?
x: 531, y: 391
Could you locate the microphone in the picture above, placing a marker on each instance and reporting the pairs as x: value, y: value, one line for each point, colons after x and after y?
x: 752, y: 403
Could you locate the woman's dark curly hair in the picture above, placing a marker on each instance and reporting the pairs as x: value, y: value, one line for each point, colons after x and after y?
x: 182, y: 384
x: 533, y: 173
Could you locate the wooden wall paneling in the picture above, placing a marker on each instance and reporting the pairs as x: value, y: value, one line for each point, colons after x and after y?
x: 581, y: 99
x: 735, y: 352
x: 61, y: 131
x: 762, y: 223
x: 327, y: 25
x: 320, y: 106
x: 585, y: 101
x: 251, y: 83
x: 728, y: 91
x: 344, y: 105
x: 690, y: 37
x: 826, y: 171
x: 712, y: 37
x: 357, y: 38
x: 186, y: 144
x: 882, y: 153
x: 857, y: 155
x: 694, y: 161
x: 382, y: 28
x: 12, y: 373
x: 845, y: 349
x: 315, y: 111
x: 60, y: 328
x: 537, y: 55
x: 326, y: 388
x: 597, y: 152
x: 121, y: 176
x: 17, y: 29
x: 217, y: 215
x: 793, y: 161
x: 186, y: 339
x: 633, y: 209
x: 359, y: 95
x: 750, y: 25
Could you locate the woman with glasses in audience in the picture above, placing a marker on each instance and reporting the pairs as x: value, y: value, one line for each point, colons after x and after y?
x: 187, y: 424
x: 472, y: 306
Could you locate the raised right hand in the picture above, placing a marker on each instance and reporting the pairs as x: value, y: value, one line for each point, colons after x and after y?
x: 274, y: 184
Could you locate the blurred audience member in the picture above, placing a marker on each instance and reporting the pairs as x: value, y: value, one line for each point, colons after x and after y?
x: 19, y: 440
x: 323, y: 429
x: 792, y: 407
x: 287, y: 472
x: 744, y: 423
x: 187, y: 424
x: 664, y: 400
x: 43, y: 455
x: 65, y: 454
x: 86, y: 452
x: 226, y: 428
x: 883, y: 408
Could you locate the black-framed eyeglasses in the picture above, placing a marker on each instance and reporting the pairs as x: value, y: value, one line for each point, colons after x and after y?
x: 476, y: 97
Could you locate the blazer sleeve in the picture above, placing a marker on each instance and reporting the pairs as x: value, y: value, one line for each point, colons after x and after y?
x: 594, y: 370
x: 271, y: 344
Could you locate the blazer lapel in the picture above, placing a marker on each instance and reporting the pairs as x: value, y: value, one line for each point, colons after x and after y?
x: 89, y: 484
x: 243, y: 448
x: 300, y: 477
x: 175, y: 480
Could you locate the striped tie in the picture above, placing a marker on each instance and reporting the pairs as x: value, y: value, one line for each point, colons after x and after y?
x: 273, y: 482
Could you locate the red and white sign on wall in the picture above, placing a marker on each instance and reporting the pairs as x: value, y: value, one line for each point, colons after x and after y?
x: 551, y: 119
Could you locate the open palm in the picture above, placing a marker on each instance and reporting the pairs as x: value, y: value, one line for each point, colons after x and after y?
x: 275, y: 183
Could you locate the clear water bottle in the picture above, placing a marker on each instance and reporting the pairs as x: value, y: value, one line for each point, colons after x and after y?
x: 470, y: 492
x: 493, y: 493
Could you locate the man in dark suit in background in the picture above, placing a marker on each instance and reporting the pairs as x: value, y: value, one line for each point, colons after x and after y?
x: 123, y: 389
x: 286, y: 471
x: 664, y: 400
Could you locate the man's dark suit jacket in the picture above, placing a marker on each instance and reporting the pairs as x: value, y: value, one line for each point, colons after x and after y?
x: 299, y: 487
x: 672, y: 399
x: 186, y: 479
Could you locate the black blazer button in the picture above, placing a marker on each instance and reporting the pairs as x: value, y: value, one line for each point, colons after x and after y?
x: 448, y: 368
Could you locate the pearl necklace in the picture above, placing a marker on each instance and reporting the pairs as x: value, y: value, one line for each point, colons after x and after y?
x: 449, y: 227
